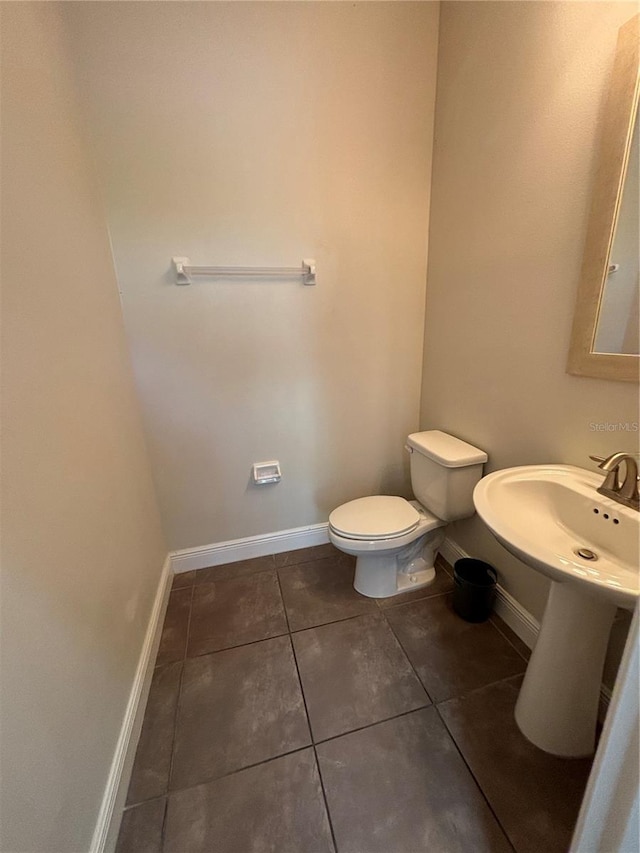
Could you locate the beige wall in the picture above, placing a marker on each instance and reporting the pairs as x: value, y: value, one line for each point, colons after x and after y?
x: 81, y: 543
x: 520, y: 90
x: 262, y: 133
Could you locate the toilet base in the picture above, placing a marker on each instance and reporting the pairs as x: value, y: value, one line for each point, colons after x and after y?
x: 387, y: 573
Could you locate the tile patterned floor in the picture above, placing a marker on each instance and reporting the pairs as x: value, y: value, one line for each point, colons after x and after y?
x: 289, y: 714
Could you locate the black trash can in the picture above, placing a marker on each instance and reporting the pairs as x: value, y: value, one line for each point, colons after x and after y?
x: 475, y: 589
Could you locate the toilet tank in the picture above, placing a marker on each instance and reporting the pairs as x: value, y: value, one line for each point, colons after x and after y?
x: 444, y: 471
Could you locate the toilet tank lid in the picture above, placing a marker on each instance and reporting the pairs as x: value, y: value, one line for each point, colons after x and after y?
x: 447, y: 450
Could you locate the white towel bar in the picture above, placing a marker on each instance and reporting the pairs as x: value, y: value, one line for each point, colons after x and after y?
x: 185, y: 271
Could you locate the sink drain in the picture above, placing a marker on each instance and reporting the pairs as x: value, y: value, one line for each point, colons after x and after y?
x: 586, y: 553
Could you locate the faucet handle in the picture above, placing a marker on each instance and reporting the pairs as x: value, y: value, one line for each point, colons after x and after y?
x: 611, y: 466
x: 625, y: 492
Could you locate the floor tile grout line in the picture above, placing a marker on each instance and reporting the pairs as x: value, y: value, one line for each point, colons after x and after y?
x: 177, y: 712
x: 379, y: 609
x: 426, y: 597
x: 458, y: 749
x: 306, y: 711
x: 250, y: 642
x: 179, y: 588
x: 295, y: 662
x: 465, y: 694
x: 382, y: 612
x: 186, y: 641
x: 337, y: 557
x: 143, y: 802
x: 431, y: 597
x: 373, y: 724
x: 250, y: 574
x: 326, y: 802
x: 284, y: 606
x: 511, y: 643
x: 164, y: 820
x: 505, y: 638
x: 334, y: 622
x: 211, y: 779
x: 288, y: 632
x: 238, y: 646
x: 156, y: 667
x: 477, y: 781
x: 275, y: 566
x: 184, y: 589
x: 406, y: 654
x: 315, y: 742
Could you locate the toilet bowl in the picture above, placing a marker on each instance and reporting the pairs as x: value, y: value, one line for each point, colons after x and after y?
x: 389, y: 560
x: 395, y: 540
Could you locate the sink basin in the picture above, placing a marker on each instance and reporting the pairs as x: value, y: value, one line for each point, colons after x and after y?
x: 552, y: 518
x: 547, y: 514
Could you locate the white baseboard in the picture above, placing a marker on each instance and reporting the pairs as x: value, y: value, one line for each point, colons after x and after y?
x: 516, y: 616
x: 108, y: 824
x: 251, y: 546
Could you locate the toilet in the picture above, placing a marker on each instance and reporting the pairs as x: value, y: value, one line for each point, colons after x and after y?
x: 396, y: 540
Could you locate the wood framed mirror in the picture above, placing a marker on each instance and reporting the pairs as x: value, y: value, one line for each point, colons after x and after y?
x: 605, y: 340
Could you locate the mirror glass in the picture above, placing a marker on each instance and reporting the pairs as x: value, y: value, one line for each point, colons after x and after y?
x: 618, y: 324
x: 605, y: 340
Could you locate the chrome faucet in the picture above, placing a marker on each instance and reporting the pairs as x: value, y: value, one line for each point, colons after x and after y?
x: 625, y: 491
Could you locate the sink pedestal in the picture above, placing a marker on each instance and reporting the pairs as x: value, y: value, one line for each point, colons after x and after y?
x: 557, y: 708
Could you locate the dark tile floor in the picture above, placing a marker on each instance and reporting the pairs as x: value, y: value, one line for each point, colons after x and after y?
x: 289, y: 714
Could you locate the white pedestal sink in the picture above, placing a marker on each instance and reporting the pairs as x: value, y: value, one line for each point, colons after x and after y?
x: 552, y: 518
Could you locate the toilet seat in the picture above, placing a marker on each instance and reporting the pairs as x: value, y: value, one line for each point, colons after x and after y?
x: 395, y: 541
x: 375, y: 518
